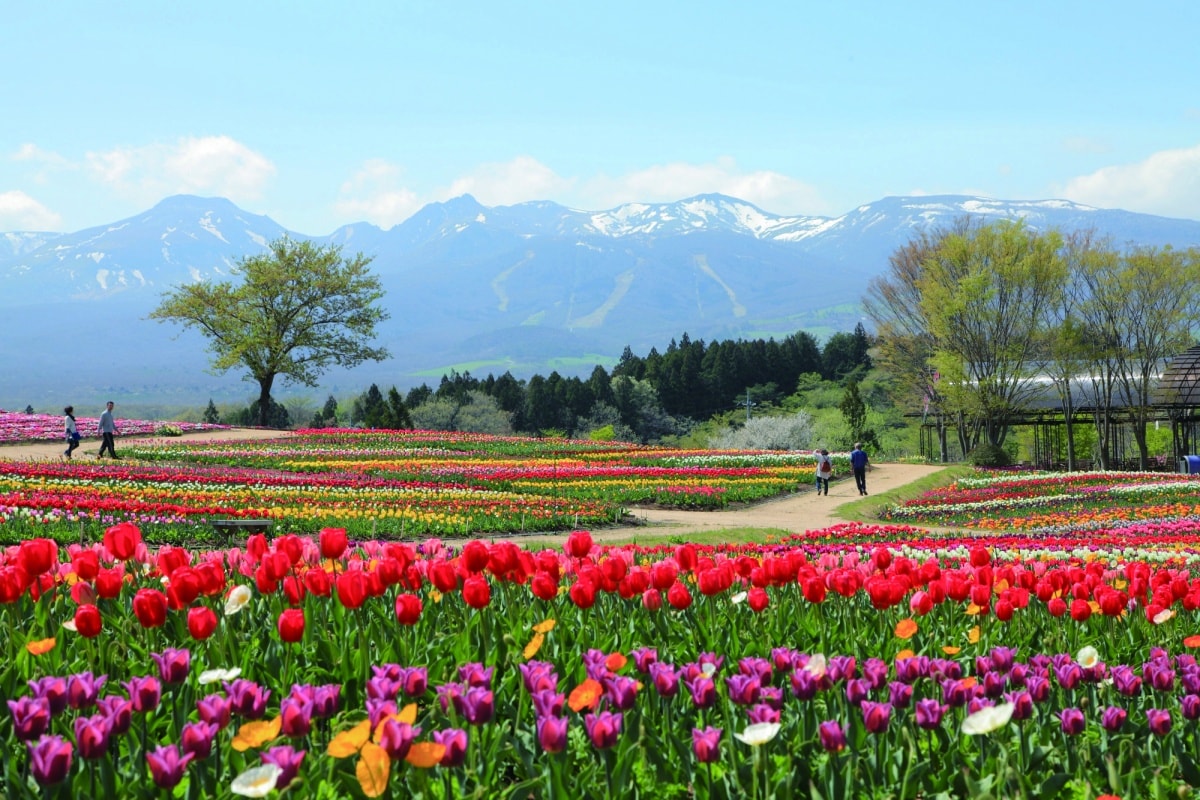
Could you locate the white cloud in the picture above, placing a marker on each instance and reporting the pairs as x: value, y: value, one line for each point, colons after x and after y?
x: 1166, y: 183
x: 20, y: 212
x: 32, y: 153
x: 216, y: 165
x: 517, y: 181
x: 373, y: 194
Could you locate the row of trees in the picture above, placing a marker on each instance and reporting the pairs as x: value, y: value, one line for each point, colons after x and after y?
x: 974, y: 322
x: 643, y: 398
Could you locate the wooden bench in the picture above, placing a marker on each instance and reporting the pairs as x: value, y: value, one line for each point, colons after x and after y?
x: 230, y: 527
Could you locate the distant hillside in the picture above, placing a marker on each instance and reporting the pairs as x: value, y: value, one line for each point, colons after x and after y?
x: 530, y: 287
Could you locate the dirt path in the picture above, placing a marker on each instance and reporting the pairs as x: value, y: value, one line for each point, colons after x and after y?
x: 803, y: 511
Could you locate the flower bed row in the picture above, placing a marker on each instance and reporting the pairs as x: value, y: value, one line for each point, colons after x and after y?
x: 345, y: 668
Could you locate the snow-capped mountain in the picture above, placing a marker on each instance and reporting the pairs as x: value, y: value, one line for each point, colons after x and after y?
x: 528, y: 287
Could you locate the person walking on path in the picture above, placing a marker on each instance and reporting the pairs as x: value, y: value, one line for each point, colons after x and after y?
x: 859, y: 463
x: 108, y: 429
x: 72, y: 432
x: 824, y: 472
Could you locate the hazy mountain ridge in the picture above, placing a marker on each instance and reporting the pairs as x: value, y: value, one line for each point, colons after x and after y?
x: 511, y: 287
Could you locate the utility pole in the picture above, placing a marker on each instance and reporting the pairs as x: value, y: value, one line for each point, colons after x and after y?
x: 748, y: 405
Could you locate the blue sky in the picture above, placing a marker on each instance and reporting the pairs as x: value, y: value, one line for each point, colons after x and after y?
x: 320, y: 114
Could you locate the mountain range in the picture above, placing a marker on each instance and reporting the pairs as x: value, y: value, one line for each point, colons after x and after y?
x: 527, y: 288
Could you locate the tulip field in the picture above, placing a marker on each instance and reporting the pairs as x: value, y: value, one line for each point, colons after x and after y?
x: 1042, y: 642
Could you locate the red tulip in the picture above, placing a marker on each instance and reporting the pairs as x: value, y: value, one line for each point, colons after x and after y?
x: 443, y: 576
x: 352, y: 588
x: 201, y: 622
x: 757, y: 599
x: 408, y: 609
x: 678, y: 596
x: 291, y: 624
x: 122, y: 540
x: 475, y: 556
x: 1080, y: 610
x: 477, y: 592
x: 579, y: 544
x: 150, y: 607
x: 37, y: 556
x: 86, y: 564
x: 108, y: 583
x: 544, y: 586
x: 652, y: 600
x: 87, y: 621
x: 318, y: 582
x: 583, y: 594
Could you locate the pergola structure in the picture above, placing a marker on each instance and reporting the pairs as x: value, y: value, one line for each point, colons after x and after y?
x: 1176, y: 401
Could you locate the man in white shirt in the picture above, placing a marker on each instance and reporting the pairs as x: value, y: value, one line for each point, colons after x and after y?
x: 108, y: 429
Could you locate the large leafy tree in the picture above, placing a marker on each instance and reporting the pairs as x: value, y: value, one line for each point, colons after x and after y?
x: 299, y: 309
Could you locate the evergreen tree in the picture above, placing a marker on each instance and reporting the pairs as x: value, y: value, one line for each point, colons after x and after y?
x: 210, y: 413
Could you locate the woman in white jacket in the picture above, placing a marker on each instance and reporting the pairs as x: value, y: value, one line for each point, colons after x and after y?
x: 71, y: 431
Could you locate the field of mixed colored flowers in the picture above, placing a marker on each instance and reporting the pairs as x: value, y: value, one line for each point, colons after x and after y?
x: 17, y: 426
x: 379, y: 485
x: 859, y: 661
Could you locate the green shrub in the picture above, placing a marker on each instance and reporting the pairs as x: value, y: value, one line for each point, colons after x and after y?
x: 989, y: 455
x: 168, y: 430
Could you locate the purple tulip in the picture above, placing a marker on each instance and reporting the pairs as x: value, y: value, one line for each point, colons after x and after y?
x: 54, y: 690
x: 167, y: 765
x: 1162, y: 679
x: 83, y: 689
x: 621, y: 691
x: 929, y: 713
x: 842, y: 668
x: 215, y: 709
x: 875, y: 671
x: 1017, y: 675
x: 379, y: 710
x: 1002, y: 658
x: 1113, y: 718
x: 1022, y: 704
x: 119, y: 712
x: 954, y: 693
x: 1126, y: 681
x: 1038, y: 687
x: 1068, y: 675
x: 326, y: 700
x: 173, y: 665
x: 1189, y: 706
x: 247, y: 698
x: 857, y: 690
x: 477, y: 705
x: 475, y: 674
x: 756, y: 667
x: 704, y: 691
x: 665, y: 679
x: 1189, y: 679
x: 706, y: 744
x: 761, y: 712
x: 772, y: 696
x: 1159, y: 720
x: 900, y: 694
x: 295, y: 716
x: 804, y: 684
x: 49, y: 759
x: 397, y: 737
x: 876, y: 716
x: 448, y: 695
x: 909, y: 670
x: 743, y: 689
x: 603, y: 728
x: 455, y: 741
x: 942, y: 669
x: 288, y: 760
x: 595, y: 663
x: 145, y: 692
x: 552, y: 733
x: 1071, y: 721
x: 197, y: 738
x: 784, y: 658
x: 643, y: 657
x: 832, y: 736
x: 92, y: 735
x: 31, y: 717
x: 381, y: 687
x: 994, y: 684
x: 537, y: 676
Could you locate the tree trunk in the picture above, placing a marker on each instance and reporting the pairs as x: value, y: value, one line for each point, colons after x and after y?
x: 264, y: 400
